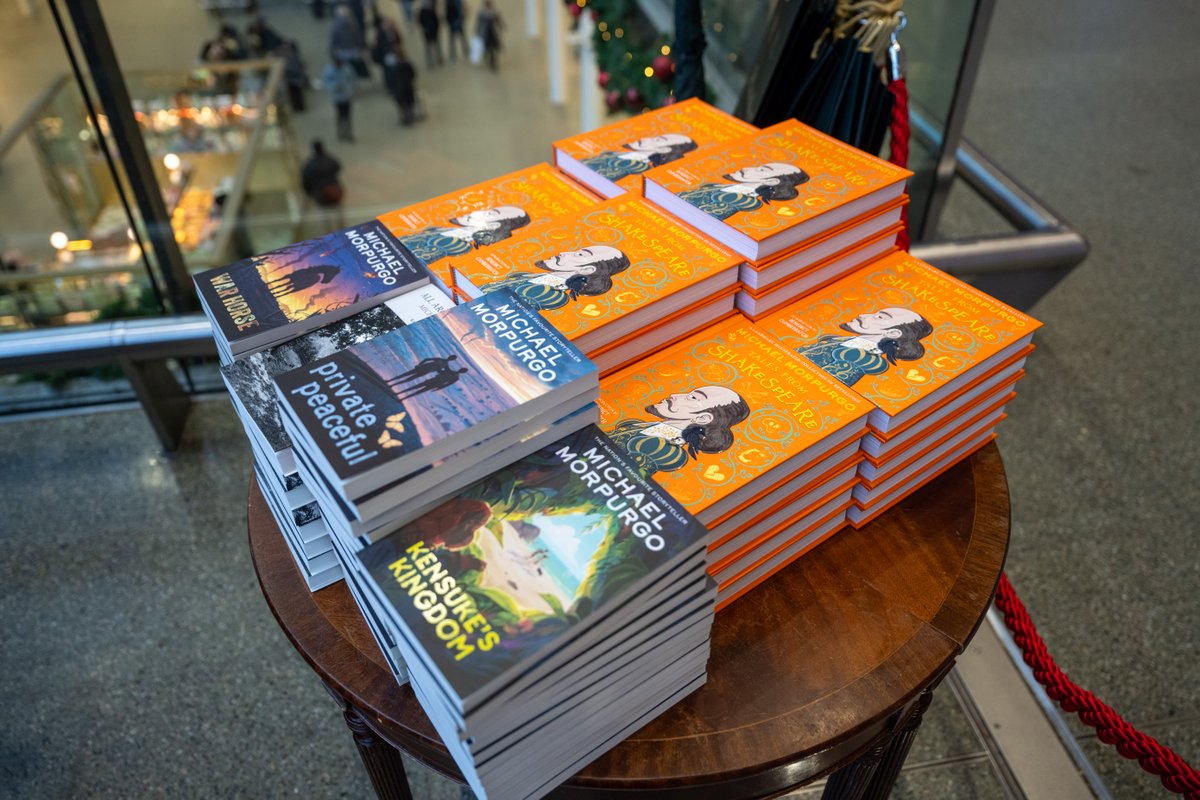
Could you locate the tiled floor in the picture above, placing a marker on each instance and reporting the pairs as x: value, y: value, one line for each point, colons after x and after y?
x: 137, y: 652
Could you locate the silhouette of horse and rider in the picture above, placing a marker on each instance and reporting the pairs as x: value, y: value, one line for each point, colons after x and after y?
x: 302, y: 279
x: 441, y: 375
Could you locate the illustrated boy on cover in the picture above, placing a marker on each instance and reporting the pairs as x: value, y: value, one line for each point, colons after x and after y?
x: 567, y: 275
x: 750, y: 188
x: 699, y: 421
x: 639, y: 156
x: 878, y: 341
x: 478, y: 228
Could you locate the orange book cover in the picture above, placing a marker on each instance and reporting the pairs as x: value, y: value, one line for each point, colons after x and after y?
x: 898, y: 330
x: 458, y: 222
x: 621, y: 151
x: 589, y: 271
x: 776, y: 179
x: 720, y: 409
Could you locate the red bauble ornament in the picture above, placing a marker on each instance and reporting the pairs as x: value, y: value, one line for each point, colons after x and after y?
x: 603, y: 78
x: 664, y: 68
x: 612, y: 99
x: 633, y: 96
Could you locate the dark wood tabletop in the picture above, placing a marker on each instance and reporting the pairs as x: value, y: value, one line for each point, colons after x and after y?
x: 826, y: 666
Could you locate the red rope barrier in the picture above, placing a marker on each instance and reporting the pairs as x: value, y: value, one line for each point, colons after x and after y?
x: 899, y: 150
x: 1176, y: 774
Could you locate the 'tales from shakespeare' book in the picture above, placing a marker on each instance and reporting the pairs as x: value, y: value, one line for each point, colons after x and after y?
x: 456, y: 223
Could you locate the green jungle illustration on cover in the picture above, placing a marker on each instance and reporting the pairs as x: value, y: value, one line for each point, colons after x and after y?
x: 514, y: 561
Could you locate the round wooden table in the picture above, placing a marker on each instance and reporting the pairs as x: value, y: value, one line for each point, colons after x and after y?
x: 823, y: 670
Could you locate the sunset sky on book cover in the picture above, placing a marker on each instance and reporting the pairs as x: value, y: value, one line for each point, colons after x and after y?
x: 533, y: 549
x: 757, y: 404
x: 824, y: 172
x: 302, y: 280
x: 429, y: 380
x: 942, y: 327
x: 621, y: 150
x: 584, y: 271
x: 490, y: 211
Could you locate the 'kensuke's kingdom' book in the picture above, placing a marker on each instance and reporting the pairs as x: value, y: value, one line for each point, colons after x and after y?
x: 249, y: 380
x: 769, y: 191
x: 376, y: 412
x: 901, y: 333
x: 612, y: 158
x: 279, y: 295
x: 521, y: 562
x: 456, y: 223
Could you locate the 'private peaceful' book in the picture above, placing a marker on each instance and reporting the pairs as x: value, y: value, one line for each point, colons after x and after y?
x: 612, y: 158
x: 249, y: 380
x: 376, y: 412
x: 455, y: 223
x: 267, y: 299
x: 772, y: 190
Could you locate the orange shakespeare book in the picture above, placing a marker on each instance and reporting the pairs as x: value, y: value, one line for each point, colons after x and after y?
x: 458, y: 222
x: 612, y: 158
x: 725, y: 415
x: 623, y: 268
x: 902, y: 333
x: 774, y: 189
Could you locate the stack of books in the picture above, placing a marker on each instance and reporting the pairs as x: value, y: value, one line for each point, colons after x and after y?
x: 457, y: 223
x: 937, y: 358
x: 802, y: 208
x: 611, y: 159
x: 758, y: 444
x: 252, y: 390
x: 620, y: 280
x: 545, y: 612
x: 384, y: 430
x: 271, y: 298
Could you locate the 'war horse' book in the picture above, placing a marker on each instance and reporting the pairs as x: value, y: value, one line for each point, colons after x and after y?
x: 276, y: 296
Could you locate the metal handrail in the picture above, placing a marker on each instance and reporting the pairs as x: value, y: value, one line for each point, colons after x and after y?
x: 107, y: 342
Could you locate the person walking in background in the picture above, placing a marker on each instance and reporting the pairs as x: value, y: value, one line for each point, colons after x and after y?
x: 295, y: 76
x: 455, y: 14
x: 340, y: 82
x: 427, y: 17
x: 400, y: 77
x: 346, y: 41
x: 320, y: 177
x: 488, y: 25
x: 387, y: 39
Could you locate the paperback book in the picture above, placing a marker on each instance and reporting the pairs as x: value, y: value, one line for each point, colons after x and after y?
x: 250, y: 380
x: 772, y: 190
x: 456, y: 223
x: 612, y: 158
x: 282, y: 294
x: 381, y: 410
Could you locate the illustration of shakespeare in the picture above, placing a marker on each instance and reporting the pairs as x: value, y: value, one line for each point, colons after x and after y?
x: 640, y: 155
x: 878, y: 341
x: 750, y: 188
x: 476, y: 229
x: 699, y: 421
x: 565, y: 277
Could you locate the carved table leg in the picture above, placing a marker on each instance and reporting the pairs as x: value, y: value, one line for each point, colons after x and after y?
x: 897, y: 751
x: 382, y: 761
x: 849, y: 782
